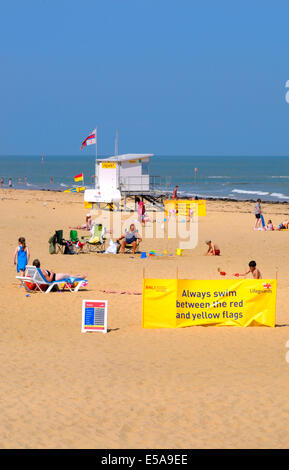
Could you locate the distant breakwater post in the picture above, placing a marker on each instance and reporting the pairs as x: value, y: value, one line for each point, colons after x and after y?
x: 287, y: 93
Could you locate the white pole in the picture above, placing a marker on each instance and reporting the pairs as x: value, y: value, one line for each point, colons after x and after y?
x: 96, y: 168
x: 116, y: 143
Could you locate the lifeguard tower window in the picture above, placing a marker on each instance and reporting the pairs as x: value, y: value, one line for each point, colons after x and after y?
x: 145, y: 168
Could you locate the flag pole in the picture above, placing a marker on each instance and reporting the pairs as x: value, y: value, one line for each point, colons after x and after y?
x: 96, y: 173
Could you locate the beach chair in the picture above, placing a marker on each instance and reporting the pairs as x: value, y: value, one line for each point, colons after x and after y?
x: 129, y: 247
x: 79, y: 244
x: 96, y: 243
x: 33, y: 280
x: 52, y: 244
x: 73, y: 236
x: 60, y: 242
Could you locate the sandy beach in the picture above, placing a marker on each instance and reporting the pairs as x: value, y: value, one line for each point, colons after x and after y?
x: 199, y: 387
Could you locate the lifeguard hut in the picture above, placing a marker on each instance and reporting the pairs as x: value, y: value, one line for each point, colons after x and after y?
x: 119, y: 175
x: 125, y: 176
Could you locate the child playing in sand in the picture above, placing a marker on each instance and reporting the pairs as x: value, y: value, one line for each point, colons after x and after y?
x: 253, y: 270
x: 21, y: 256
x: 269, y: 225
x: 213, y: 249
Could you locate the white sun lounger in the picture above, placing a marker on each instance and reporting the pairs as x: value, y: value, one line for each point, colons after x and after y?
x: 34, y: 276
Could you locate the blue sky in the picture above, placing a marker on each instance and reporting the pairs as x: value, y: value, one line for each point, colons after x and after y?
x: 175, y: 77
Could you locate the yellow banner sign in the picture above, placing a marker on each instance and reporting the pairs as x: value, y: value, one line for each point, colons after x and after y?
x: 109, y: 165
x: 177, y: 303
x: 185, y: 207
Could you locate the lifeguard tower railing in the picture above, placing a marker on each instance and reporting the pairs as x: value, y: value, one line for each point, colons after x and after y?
x: 144, y: 183
x: 153, y: 189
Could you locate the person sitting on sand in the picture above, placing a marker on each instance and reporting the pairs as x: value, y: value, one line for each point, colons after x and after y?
x: 213, y: 249
x: 51, y: 276
x: 88, y: 224
x: 283, y: 225
x: 131, y: 237
x: 269, y: 226
x: 253, y: 270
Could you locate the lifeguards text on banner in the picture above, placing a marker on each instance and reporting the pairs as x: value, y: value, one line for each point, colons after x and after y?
x: 176, y: 303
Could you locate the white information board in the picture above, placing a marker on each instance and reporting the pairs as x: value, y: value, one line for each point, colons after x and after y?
x: 94, y: 315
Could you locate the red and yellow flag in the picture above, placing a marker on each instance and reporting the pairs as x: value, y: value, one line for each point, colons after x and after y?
x: 78, y: 177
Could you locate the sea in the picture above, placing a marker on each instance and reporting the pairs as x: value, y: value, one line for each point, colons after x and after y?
x: 217, y: 177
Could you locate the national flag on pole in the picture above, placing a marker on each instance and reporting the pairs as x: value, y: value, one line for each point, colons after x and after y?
x: 91, y: 139
x: 78, y: 177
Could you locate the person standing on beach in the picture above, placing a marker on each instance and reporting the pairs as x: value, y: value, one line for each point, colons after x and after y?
x: 258, y: 213
x: 21, y: 256
x: 25, y: 179
x: 175, y: 193
x: 2, y: 181
x: 10, y: 182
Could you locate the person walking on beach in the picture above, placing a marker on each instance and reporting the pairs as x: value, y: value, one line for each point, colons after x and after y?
x: 141, y: 210
x: 21, y: 256
x: 2, y: 181
x: 175, y: 193
x: 258, y: 214
x: 25, y: 179
x: 10, y: 182
x: 253, y: 270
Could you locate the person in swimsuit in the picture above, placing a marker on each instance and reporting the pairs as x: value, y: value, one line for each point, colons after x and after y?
x: 253, y: 270
x: 88, y: 223
x: 175, y: 193
x: 213, y: 249
x: 51, y: 276
x: 269, y: 226
x: 21, y: 256
x: 283, y: 225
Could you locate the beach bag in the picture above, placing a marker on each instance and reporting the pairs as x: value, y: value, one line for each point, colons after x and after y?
x: 112, y: 247
x: 69, y: 250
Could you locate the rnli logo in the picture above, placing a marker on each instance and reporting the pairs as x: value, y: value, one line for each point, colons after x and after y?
x: 157, y: 288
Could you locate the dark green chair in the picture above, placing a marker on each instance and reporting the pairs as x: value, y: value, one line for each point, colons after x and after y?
x: 60, y: 242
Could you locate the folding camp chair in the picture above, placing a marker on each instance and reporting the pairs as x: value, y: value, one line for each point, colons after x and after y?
x: 73, y: 236
x: 96, y: 243
x: 129, y: 246
x: 33, y: 280
x: 60, y: 242
x: 79, y: 244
